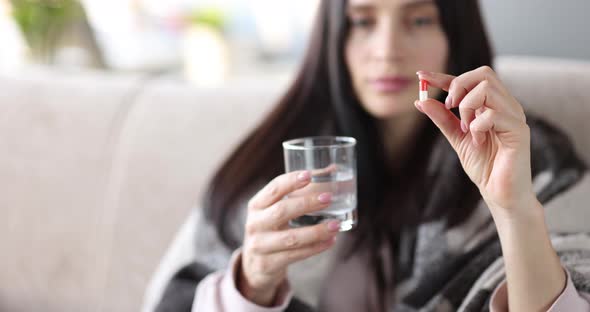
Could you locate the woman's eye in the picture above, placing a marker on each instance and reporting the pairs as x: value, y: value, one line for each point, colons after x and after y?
x: 423, y: 21
x: 362, y: 22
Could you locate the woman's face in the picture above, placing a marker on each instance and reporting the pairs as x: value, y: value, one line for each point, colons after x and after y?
x: 388, y: 41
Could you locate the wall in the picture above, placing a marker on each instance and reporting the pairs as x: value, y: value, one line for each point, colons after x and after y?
x: 539, y: 27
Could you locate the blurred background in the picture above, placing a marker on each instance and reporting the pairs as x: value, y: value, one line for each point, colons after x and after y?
x: 208, y: 42
x: 205, y: 42
x: 114, y: 114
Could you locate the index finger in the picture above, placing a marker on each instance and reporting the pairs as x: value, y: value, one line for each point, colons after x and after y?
x: 437, y: 80
x: 280, y: 186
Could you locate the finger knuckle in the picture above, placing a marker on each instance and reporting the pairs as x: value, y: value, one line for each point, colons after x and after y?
x: 453, y: 85
x: 250, y: 229
x: 290, y: 240
x: 272, y: 188
x: 464, y: 108
x: 277, y: 211
x: 253, y: 244
x: 491, y: 114
x: 485, y: 86
x: 251, y: 203
x: 487, y: 70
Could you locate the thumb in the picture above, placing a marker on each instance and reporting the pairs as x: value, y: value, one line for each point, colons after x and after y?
x: 444, y: 119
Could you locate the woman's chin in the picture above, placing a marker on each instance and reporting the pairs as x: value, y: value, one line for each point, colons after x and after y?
x: 386, y: 109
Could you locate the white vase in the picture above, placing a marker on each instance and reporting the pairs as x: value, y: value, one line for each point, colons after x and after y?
x: 14, y: 48
x: 206, y: 56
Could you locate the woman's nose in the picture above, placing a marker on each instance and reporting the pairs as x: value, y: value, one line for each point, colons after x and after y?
x: 388, y: 44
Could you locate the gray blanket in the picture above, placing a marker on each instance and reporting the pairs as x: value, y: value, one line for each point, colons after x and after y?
x: 453, y: 268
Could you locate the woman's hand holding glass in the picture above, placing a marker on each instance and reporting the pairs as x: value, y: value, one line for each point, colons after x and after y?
x: 270, y: 245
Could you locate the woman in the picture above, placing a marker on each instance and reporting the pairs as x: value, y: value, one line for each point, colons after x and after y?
x: 433, y: 217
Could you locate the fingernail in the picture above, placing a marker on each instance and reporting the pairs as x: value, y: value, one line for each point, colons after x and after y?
x: 449, y: 101
x: 423, y: 73
x: 304, y: 176
x: 334, y: 226
x: 463, y: 127
x: 325, y: 198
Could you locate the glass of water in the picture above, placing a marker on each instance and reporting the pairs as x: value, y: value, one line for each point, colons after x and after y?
x: 332, y: 162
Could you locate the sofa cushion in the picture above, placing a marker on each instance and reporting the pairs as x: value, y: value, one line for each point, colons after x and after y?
x: 174, y: 138
x: 559, y: 91
x: 556, y: 89
x: 58, y: 135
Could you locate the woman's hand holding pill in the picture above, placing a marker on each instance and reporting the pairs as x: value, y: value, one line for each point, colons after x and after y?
x: 491, y: 137
x: 492, y: 141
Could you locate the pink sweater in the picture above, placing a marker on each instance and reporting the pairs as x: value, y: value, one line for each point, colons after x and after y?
x: 218, y: 293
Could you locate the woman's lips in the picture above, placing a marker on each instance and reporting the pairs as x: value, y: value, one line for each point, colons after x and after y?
x: 390, y: 84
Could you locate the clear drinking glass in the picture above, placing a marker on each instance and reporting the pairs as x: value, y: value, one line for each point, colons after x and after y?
x: 332, y: 162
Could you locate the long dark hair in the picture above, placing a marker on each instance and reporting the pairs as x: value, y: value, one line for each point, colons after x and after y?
x: 322, y: 94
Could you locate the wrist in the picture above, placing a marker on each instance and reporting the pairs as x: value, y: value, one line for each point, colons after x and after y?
x: 530, y: 260
x: 260, y: 294
x: 527, y: 219
x: 523, y: 210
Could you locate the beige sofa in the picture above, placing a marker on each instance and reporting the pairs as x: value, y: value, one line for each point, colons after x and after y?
x: 97, y: 172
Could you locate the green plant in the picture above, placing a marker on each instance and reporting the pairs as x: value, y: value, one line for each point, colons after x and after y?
x: 212, y: 17
x: 42, y: 22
